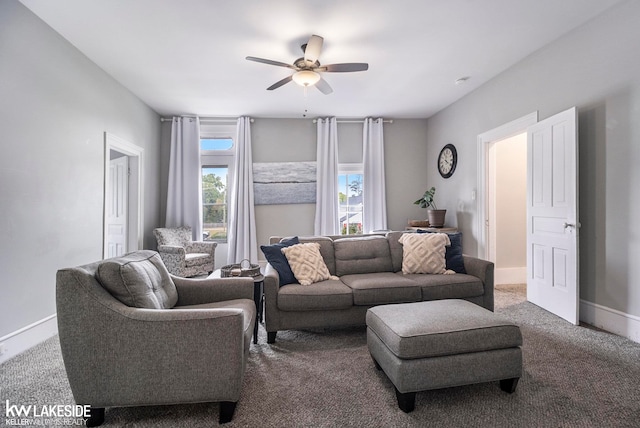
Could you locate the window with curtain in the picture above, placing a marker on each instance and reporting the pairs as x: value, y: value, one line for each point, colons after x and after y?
x: 350, y: 197
x: 217, y: 152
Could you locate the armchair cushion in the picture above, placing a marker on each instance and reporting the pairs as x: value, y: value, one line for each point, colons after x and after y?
x: 139, y: 280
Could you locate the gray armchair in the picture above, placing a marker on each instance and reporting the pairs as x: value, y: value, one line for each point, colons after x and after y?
x: 131, y: 334
x: 182, y: 256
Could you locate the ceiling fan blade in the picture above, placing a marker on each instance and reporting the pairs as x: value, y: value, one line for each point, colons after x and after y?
x: 323, y: 86
x: 280, y: 83
x: 344, y: 68
x: 313, y: 48
x: 270, y: 62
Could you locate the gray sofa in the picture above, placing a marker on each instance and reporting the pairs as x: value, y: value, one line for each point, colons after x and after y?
x: 369, y: 268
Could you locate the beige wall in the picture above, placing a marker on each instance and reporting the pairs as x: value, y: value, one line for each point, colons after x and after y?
x: 511, y: 202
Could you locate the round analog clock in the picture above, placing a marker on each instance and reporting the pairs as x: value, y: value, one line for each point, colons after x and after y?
x: 447, y: 160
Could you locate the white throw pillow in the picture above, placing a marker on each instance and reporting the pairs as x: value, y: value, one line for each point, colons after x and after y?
x: 424, y: 252
x: 307, y: 263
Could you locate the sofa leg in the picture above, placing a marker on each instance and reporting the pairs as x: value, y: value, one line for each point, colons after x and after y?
x: 227, y: 408
x: 406, y: 401
x: 271, y: 336
x: 96, y: 416
x: 509, y: 385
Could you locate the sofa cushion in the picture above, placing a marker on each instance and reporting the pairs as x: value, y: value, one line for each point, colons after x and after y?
x: 324, y: 295
x: 307, y: 263
x: 277, y: 259
x: 381, y: 288
x: 138, y: 279
x: 453, y: 253
x: 456, y: 286
x: 367, y: 254
x: 326, y: 250
x: 424, y: 253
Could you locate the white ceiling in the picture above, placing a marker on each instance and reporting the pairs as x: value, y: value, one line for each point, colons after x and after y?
x: 188, y: 56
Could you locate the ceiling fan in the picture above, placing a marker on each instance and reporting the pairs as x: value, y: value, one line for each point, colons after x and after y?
x: 308, y: 68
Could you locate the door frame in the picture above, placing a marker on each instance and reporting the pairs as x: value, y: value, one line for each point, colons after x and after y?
x: 510, y: 129
x: 135, y: 222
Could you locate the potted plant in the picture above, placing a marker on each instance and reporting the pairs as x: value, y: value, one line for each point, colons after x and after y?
x: 436, y: 216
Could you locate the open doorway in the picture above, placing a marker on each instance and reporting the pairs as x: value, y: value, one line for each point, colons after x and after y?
x: 507, y: 208
x: 123, y: 197
x: 502, y: 157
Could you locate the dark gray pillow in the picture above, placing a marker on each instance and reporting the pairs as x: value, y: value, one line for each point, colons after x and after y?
x: 279, y: 261
x: 139, y: 280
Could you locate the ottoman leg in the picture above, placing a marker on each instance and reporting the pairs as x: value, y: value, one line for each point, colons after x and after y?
x: 509, y: 385
x: 406, y: 401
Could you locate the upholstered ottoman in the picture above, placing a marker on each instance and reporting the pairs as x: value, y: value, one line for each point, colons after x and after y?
x: 442, y: 343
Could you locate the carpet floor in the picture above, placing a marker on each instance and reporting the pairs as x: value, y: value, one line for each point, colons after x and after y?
x: 574, y: 376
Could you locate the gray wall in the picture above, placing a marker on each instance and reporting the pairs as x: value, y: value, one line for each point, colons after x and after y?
x: 55, y: 105
x: 596, y: 68
x: 278, y: 140
x: 288, y: 140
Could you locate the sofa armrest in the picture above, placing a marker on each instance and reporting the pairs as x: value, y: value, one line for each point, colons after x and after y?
x: 271, y: 287
x: 192, y: 291
x: 482, y: 269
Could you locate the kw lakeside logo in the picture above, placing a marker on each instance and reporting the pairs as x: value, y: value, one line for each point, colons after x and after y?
x: 49, y: 414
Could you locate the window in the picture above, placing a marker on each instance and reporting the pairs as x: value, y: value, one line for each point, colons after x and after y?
x: 217, y: 153
x: 214, y: 203
x: 208, y: 144
x: 350, y: 193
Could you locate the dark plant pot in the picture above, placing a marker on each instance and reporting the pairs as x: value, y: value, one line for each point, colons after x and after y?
x: 436, y: 217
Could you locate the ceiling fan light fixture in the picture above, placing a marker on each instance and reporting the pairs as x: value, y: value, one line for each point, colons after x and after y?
x: 306, y: 77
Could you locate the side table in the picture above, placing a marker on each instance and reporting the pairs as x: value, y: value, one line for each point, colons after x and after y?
x: 258, y: 298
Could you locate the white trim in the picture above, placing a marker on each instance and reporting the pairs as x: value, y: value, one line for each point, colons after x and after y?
x: 611, y: 320
x: 27, y: 337
x: 514, y: 275
x: 507, y: 130
x: 136, y: 194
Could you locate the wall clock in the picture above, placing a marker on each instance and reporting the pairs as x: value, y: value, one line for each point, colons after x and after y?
x: 447, y: 160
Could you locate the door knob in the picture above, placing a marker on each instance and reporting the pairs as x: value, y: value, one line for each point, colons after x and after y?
x: 566, y: 225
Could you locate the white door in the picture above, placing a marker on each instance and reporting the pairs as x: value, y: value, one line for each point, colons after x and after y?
x: 117, y: 206
x: 552, y: 215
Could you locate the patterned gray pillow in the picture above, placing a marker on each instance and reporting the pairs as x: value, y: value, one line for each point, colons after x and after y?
x: 139, y: 279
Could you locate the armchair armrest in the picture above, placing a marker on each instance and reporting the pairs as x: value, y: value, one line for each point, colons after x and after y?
x: 482, y: 269
x: 171, y: 249
x: 201, y: 247
x: 192, y: 291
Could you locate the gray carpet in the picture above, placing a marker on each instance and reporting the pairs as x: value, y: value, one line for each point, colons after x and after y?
x: 573, y: 377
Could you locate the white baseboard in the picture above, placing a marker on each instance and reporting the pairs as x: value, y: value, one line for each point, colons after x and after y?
x: 27, y: 337
x: 517, y: 275
x: 611, y: 320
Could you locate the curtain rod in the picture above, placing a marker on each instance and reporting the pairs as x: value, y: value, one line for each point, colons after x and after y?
x: 208, y: 119
x: 355, y: 121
